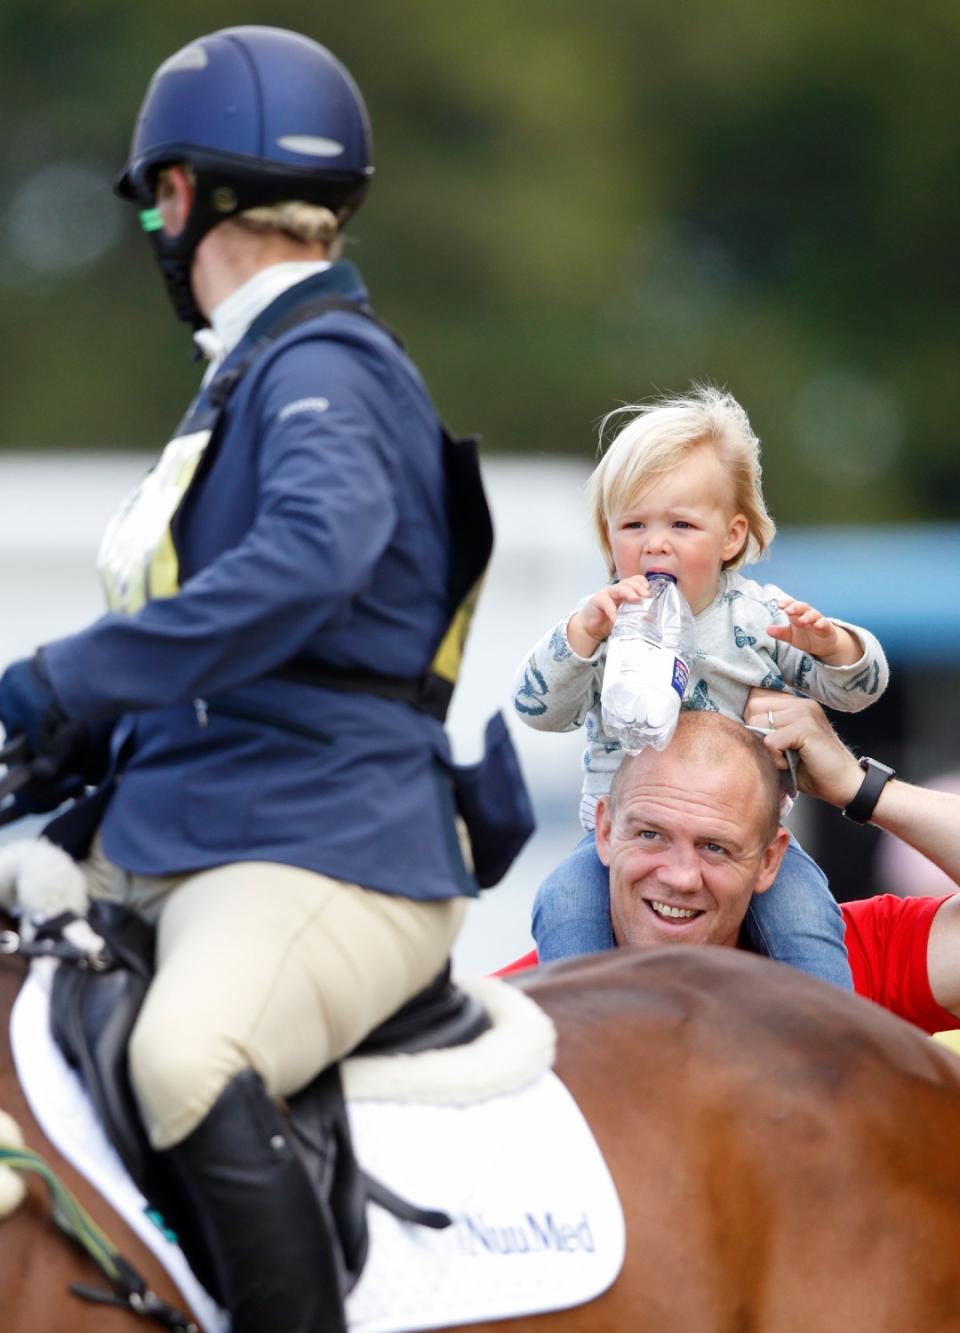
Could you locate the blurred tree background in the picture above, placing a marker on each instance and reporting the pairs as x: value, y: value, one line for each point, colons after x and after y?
x: 575, y: 206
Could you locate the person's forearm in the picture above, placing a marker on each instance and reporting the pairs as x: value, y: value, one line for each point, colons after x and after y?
x: 849, y: 685
x: 847, y: 652
x: 582, y: 643
x: 245, y: 614
x: 553, y: 687
x: 927, y: 820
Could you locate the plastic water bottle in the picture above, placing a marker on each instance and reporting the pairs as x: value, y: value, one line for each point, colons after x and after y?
x: 649, y: 652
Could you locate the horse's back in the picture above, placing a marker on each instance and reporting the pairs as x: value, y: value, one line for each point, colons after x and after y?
x: 786, y: 1154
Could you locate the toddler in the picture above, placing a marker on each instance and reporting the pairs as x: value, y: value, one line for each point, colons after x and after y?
x: 678, y: 491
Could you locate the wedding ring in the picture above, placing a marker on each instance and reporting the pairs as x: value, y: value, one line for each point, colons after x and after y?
x: 773, y: 725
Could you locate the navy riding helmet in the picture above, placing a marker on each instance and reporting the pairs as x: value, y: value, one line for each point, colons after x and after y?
x: 262, y: 115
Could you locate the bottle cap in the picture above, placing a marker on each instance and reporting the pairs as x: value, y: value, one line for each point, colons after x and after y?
x: 661, y: 574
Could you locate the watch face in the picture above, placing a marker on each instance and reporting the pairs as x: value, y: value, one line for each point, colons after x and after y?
x: 866, y: 763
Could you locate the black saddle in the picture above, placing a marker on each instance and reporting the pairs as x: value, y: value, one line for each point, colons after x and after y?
x: 92, y: 1014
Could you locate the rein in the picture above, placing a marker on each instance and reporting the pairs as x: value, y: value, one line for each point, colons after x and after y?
x: 48, y: 942
x: 129, y: 1290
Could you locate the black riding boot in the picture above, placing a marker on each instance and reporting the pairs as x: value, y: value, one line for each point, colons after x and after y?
x: 270, y: 1237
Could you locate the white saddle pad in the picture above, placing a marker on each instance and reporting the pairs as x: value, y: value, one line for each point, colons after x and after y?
x: 537, y: 1221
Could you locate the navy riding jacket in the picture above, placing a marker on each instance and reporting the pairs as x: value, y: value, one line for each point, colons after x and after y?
x: 316, y: 529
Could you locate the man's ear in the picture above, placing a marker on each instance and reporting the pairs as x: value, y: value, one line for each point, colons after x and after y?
x: 604, y: 828
x: 770, y: 860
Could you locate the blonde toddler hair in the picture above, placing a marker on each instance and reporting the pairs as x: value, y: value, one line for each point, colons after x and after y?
x: 659, y: 436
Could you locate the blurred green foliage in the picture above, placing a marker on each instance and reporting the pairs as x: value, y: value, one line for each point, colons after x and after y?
x: 575, y: 206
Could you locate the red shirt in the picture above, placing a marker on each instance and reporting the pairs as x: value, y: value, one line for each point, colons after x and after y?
x: 886, y: 940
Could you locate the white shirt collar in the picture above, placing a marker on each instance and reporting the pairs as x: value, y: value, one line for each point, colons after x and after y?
x: 230, y: 320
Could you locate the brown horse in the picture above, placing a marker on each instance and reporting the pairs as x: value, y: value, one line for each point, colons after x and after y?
x: 786, y: 1155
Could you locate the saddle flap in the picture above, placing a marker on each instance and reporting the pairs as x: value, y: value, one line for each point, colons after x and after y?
x: 91, y: 1017
x: 318, y: 1117
x: 132, y: 942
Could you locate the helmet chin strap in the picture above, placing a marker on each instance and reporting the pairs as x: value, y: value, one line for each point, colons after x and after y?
x: 174, y: 254
x: 176, y: 278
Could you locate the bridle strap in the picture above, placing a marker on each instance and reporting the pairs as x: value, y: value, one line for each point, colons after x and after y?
x: 129, y: 1290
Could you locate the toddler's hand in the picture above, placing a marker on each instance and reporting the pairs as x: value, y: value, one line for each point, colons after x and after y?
x: 594, y: 621
x: 813, y: 633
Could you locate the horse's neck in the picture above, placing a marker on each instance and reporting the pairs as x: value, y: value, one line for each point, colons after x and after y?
x: 13, y: 970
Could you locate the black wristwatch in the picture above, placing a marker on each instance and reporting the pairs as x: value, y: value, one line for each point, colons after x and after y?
x: 876, y: 777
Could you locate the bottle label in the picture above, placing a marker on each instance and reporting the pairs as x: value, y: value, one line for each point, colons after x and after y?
x: 681, y: 674
x: 640, y: 663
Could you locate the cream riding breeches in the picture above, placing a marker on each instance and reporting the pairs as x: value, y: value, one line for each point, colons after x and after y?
x: 266, y: 967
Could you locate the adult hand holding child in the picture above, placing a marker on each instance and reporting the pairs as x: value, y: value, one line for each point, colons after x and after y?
x: 826, y: 768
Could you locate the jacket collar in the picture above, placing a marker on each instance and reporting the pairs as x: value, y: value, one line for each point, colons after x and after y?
x: 340, y: 279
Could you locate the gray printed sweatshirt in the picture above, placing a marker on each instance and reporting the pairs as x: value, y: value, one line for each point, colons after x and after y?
x: 556, y: 690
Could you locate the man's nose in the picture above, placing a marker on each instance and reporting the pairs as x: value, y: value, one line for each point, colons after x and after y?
x: 680, y: 869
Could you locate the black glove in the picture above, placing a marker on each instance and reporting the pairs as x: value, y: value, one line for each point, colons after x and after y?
x: 29, y: 708
x: 40, y: 796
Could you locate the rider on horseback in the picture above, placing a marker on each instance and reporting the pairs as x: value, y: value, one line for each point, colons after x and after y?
x: 261, y: 708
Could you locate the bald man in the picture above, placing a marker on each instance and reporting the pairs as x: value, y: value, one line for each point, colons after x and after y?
x: 691, y: 832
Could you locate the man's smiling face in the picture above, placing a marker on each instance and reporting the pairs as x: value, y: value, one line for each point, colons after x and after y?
x: 688, y: 840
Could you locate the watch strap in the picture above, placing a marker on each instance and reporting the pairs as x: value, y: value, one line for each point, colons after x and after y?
x: 875, y: 778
